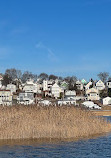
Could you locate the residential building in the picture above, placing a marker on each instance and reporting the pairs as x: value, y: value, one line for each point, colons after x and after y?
x: 88, y: 85
x: 25, y: 98
x: 56, y: 80
x: 39, y: 88
x: 70, y: 94
x: 50, y: 83
x: 107, y: 101
x: 45, y: 85
x: 64, y: 85
x: 5, y: 97
x: 92, y: 94
x: 100, y: 85
x: 30, y: 86
x: 11, y: 87
x: 108, y: 84
x: 55, y: 91
x: 79, y: 85
x: 83, y: 81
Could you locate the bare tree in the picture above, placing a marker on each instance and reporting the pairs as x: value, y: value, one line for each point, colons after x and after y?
x: 13, y: 73
x: 109, y: 78
x: 67, y: 79
x: 53, y: 77
x: 6, y: 80
x: 71, y: 82
x: 43, y: 76
x: 27, y: 75
x: 71, y: 79
x: 19, y: 74
x: 103, y: 76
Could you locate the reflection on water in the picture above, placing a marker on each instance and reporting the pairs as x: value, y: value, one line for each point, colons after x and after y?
x: 89, y: 148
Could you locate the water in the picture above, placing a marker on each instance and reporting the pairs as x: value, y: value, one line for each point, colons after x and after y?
x: 89, y: 148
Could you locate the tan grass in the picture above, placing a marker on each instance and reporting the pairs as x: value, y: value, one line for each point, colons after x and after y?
x: 22, y: 122
x: 106, y: 107
x: 102, y: 113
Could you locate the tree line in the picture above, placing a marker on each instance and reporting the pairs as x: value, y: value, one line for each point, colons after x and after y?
x: 14, y: 75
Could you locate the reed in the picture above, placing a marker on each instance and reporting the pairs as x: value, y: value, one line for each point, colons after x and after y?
x: 22, y: 122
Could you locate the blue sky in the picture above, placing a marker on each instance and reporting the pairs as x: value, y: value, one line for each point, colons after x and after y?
x: 63, y: 37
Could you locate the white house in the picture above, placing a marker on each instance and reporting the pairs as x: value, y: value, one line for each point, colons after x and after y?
x: 25, y: 98
x: 56, y: 80
x: 39, y: 87
x: 100, y: 85
x: 45, y: 85
x: 108, y: 84
x: 70, y: 94
x: 92, y: 94
x: 79, y: 85
x: 107, y: 101
x: 5, y: 97
x: 11, y: 87
x: 50, y: 83
x: 30, y: 86
x: 88, y: 85
x: 56, y: 90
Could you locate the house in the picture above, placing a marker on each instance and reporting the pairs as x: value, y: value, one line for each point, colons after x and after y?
x: 107, y: 101
x: 83, y: 81
x: 39, y: 88
x: 47, y: 88
x: 56, y: 90
x: 50, y: 83
x: 108, y: 84
x: 25, y: 98
x: 56, y: 80
x: 92, y: 94
x: 88, y: 85
x: 5, y: 97
x: 30, y: 86
x: 70, y: 94
x: 45, y: 85
x: 64, y: 85
x: 11, y: 87
x: 100, y: 85
x: 79, y: 85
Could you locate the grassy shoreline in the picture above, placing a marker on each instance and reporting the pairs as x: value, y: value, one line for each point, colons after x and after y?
x: 38, y: 141
x: 102, y: 113
x: 33, y: 122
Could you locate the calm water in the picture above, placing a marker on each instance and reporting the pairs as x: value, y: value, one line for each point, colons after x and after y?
x: 92, y: 148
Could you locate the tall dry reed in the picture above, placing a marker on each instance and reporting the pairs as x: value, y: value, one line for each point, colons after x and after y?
x: 20, y: 122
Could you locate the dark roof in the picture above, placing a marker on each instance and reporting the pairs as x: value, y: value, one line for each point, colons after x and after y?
x: 109, y: 81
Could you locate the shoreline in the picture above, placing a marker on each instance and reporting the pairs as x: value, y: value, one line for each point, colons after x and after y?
x: 40, y: 141
x: 101, y: 113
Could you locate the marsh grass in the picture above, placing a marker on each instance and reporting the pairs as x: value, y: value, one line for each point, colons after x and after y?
x: 28, y: 122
